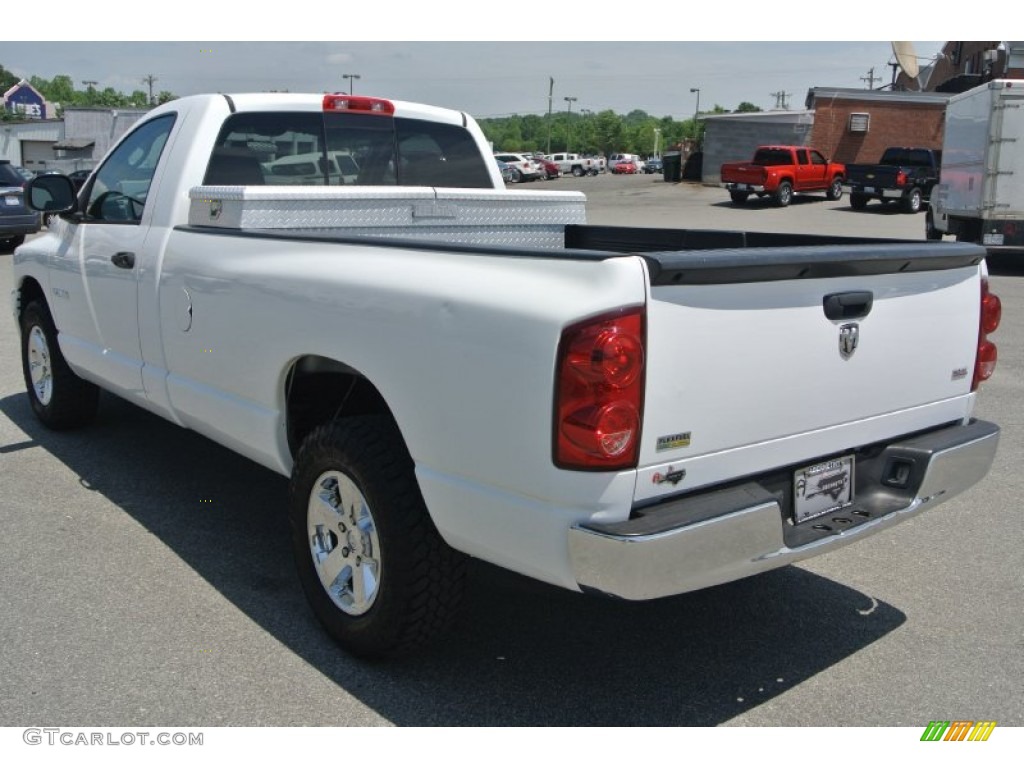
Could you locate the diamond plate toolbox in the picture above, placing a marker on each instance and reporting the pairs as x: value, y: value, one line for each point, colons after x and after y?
x: 467, y: 216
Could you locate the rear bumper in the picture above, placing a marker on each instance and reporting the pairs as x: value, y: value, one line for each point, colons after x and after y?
x: 879, y: 192
x: 713, y: 538
x: 733, y: 186
x: 20, y: 224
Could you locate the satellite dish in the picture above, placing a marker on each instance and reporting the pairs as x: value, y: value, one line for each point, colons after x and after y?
x: 906, y: 58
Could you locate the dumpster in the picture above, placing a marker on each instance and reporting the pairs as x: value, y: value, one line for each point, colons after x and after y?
x: 673, y: 165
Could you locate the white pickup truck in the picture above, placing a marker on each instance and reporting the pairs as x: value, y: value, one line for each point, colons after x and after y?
x: 445, y: 368
x: 577, y: 165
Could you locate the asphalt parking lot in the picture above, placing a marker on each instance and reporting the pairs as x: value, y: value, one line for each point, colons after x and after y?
x: 146, y: 578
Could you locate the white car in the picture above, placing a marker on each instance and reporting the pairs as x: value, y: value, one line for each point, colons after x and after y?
x: 524, y: 166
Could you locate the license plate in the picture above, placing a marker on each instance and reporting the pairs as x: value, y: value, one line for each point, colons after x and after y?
x: 12, y: 200
x: 822, y: 488
x: 869, y: 189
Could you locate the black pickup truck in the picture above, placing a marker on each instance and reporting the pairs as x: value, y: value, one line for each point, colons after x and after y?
x: 904, y: 174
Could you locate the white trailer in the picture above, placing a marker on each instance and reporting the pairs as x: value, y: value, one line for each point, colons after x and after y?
x: 980, y: 195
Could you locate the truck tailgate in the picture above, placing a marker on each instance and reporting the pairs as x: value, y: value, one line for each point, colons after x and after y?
x: 757, y: 360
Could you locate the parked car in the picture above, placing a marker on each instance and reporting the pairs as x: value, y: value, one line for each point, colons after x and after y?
x: 16, y: 219
x: 654, y: 165
x: 625, y: 166
x: 507, y: 171
x: 903, y: 175
x: 551, y: 169
x: 525, y: 169
x: 781, y: 171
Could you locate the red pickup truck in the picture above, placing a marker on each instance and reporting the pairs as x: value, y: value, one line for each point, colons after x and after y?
x: 781, y: 172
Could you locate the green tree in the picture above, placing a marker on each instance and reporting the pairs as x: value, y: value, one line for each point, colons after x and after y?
x: 7, y: 79
x: 746, y: 106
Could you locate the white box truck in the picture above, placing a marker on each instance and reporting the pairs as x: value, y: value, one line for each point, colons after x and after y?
x: 980, y: 195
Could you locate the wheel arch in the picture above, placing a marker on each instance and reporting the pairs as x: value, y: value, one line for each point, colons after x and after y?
x: 30, y: 290
x: 319, y: 390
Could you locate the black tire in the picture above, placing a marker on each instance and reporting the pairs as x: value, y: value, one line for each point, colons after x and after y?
x: 739, y: 197
x: 577, y: 170
x: 516, y: 176
x: 858, y: 201
x: 784, y: 194
x: 911, y: 201
x: 930, y: 232
x: 416, y: 578
x: 835, y: 189
x: 59, y: 398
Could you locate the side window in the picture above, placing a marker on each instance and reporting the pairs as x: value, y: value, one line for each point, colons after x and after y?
x: 439, y: 155
x: 121, y: 185
x: 260, y: 148
x: 801, y: 156
x: 817, y: 158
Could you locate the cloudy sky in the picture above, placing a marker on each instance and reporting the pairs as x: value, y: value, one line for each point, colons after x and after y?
x: 486, y: 79
x: 442, y: 62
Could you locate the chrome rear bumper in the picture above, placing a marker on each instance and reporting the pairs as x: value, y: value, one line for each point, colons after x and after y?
x: 706, y: 539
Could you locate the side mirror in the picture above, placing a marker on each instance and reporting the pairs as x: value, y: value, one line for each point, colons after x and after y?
x: 51, y: 193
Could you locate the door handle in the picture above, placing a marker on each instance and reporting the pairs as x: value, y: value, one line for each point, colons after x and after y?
x: 852, y: 305
x: 123, y: 259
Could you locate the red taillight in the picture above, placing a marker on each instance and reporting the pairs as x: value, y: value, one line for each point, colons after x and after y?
x: 901, y: 179
x: 343, y: 102
x: 991, y: 314
x: 599, y: 392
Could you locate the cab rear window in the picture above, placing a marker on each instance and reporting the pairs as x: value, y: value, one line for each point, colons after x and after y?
x: 314, y: 149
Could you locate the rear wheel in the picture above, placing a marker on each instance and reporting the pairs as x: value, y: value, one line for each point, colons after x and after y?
x: 784, y: 194
x: 858, y: 201
x: 516, y: 176
x: 376, y: 572
x: 835, y: 189
x: 930, y: 232
x: 739, y: 197
x: 577, y: 170
x: 59, y: 398
x: 912, y: 201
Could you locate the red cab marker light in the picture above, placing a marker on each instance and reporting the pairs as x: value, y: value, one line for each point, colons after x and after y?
x: 343, y: 102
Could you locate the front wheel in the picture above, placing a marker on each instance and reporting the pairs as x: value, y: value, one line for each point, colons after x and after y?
x: 59, y: 398
x: 835, y: 189
x: 784, y: 194
x: 378, y: 575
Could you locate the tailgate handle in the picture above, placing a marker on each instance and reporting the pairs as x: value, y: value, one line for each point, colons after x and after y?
x: 851, y: 305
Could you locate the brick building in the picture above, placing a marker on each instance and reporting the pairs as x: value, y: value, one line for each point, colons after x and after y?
x: 854, y: 125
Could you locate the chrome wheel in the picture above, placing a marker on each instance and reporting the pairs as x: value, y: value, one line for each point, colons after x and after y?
x: 39, y: 366
x: 343, y: 543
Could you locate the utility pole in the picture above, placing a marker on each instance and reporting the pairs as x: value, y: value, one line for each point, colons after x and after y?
x: 568, y: 126
x: 870, y: 79
x: 696, y: 113
x: 149, y: 80
x: 780, y: 99
x: 90, y: 86
x: 551, y: 93
x: 350, y: 79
